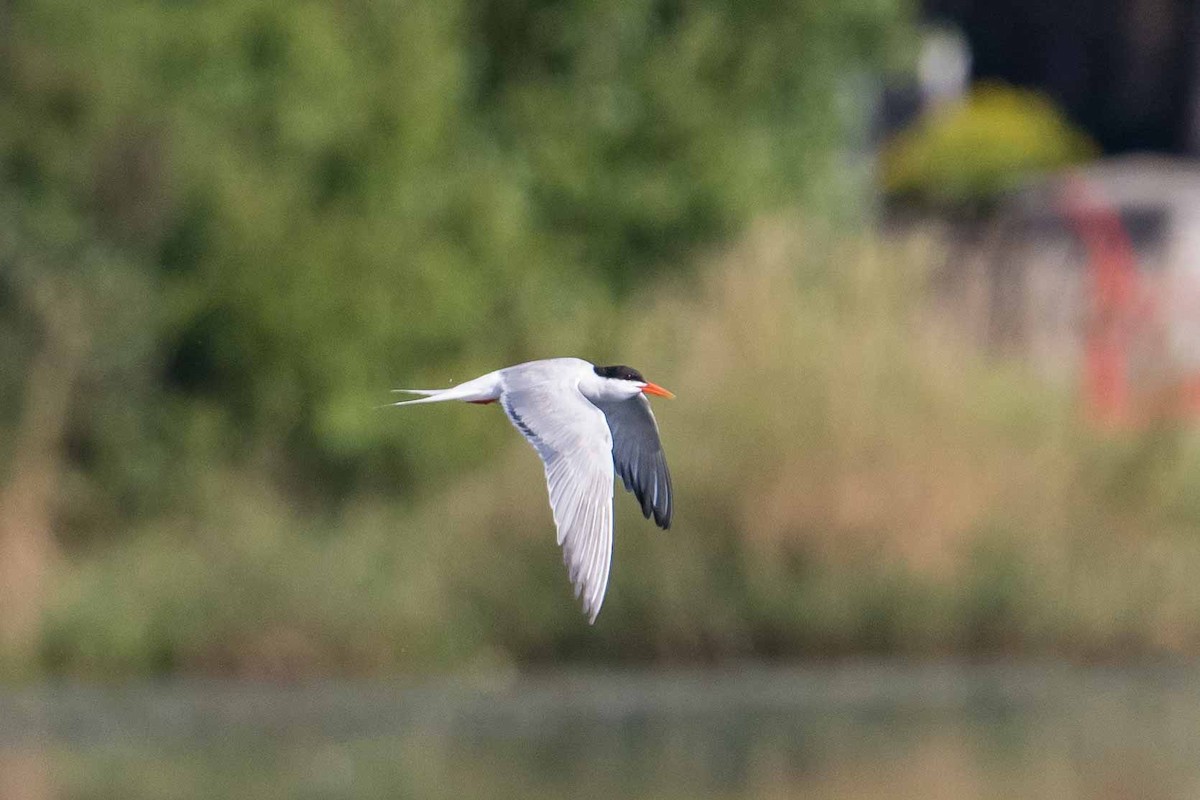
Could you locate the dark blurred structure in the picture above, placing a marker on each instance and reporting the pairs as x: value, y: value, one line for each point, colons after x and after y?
x: 1088, y: 273
x: 1125, y: 70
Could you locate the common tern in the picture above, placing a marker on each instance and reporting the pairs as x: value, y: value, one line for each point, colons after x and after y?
x: 583, y: 420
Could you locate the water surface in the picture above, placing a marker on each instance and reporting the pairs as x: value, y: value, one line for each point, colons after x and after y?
x: 838, y: 731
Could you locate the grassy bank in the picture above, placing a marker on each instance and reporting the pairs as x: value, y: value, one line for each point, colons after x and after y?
x: 851, y: 477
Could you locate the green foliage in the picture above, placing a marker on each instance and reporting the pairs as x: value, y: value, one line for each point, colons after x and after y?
x: 317, y: 202
x: 971, y: 151
x: 275, y: 212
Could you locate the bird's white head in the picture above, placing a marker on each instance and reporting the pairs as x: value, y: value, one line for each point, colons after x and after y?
x: 621, y: 383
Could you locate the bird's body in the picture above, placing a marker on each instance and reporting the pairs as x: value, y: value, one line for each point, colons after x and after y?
x: 583, y: 420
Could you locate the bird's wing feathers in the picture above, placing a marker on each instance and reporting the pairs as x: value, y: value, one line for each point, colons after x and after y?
x: 572, y: 437
x: 638, y: 455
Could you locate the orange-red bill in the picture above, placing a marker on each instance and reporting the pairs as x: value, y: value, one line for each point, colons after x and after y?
x: 654, y: 388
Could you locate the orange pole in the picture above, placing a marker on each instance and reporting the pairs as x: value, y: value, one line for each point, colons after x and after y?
x: 1114, y: 289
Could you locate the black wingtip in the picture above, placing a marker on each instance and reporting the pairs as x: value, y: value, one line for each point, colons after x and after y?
x: 664, y: 513
x: 661, y: 512
x: 663, y: 520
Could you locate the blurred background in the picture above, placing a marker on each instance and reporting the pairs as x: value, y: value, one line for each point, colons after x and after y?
x: 924, y: 276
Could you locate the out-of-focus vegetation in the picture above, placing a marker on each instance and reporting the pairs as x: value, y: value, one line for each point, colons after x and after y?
x: 226, y: 230
x: 969, y: 151
x: 298, y: 207
x: 851, y: 478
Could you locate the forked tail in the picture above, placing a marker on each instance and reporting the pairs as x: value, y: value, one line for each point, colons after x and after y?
x: 484, y: 389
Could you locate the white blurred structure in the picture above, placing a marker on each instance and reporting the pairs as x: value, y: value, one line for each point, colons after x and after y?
x: 943, y: 66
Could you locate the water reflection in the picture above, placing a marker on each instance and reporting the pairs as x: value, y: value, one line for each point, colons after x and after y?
x: 839, y: 732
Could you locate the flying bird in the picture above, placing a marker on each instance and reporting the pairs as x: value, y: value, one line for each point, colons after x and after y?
x: 584, y: 421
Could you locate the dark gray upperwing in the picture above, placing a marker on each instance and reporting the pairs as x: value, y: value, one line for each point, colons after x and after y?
x: 638, y: 456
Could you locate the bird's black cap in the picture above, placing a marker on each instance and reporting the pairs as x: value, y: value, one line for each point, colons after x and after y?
x: 620, y: 372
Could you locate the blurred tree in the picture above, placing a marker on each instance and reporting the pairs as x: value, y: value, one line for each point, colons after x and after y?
x: 653, y: 125
x: 966, y: 154
x: 302, y: 204
x: 65, y: 323
x: 27, y: 543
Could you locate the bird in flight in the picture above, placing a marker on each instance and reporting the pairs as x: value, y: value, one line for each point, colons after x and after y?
x: 584, y: 421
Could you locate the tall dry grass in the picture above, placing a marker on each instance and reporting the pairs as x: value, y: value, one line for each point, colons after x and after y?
x: 853, y: 476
